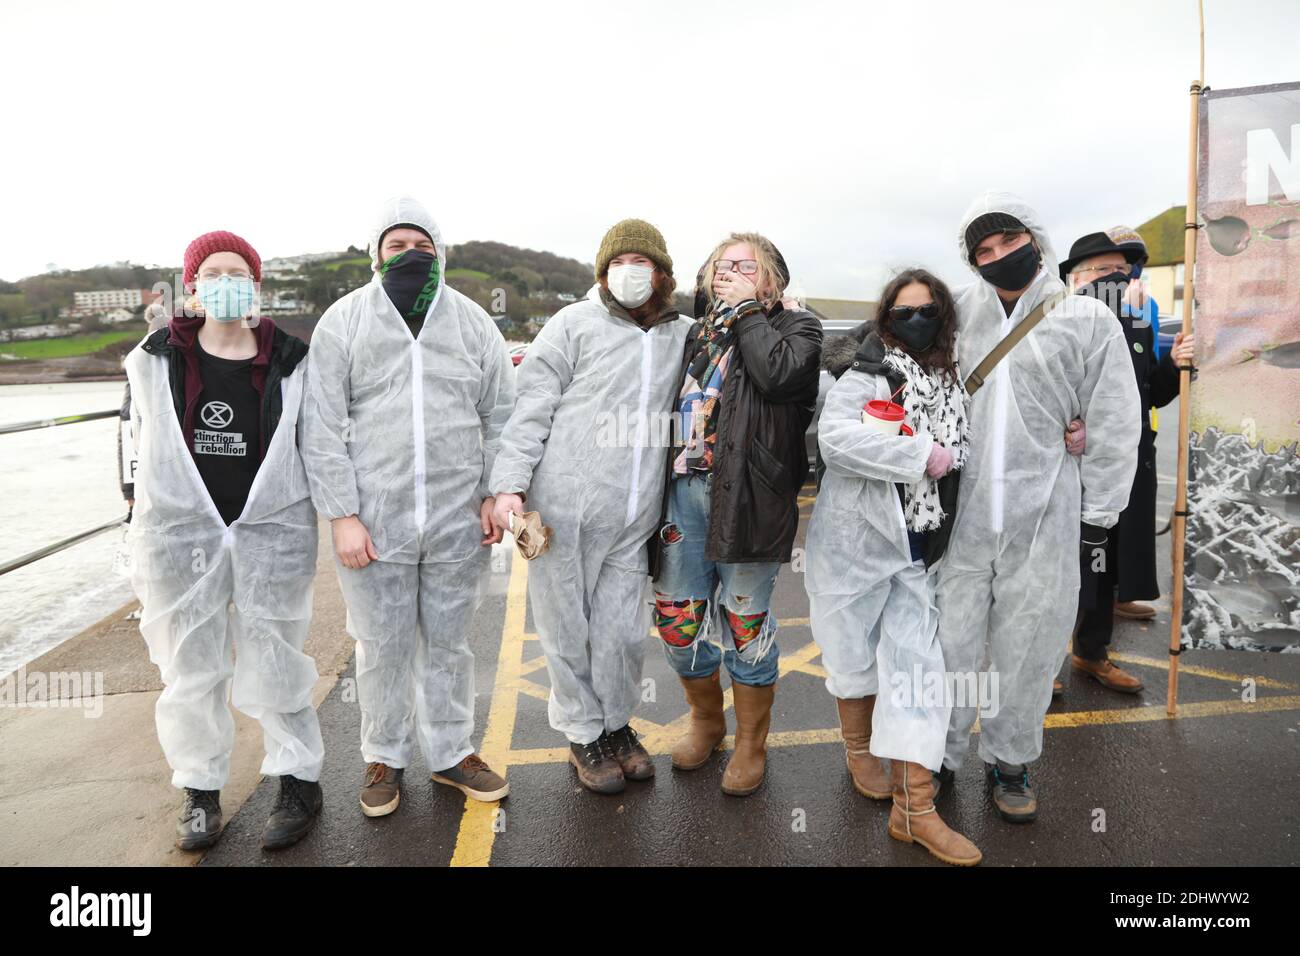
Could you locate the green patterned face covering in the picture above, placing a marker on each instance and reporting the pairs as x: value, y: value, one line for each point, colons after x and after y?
x: 411, y: 280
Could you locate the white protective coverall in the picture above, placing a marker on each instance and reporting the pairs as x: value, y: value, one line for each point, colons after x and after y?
x: 401, y: 431
x: 586, y: 443
x: 206, y: 589
x: 872, y: 608
x: 1010, y: 576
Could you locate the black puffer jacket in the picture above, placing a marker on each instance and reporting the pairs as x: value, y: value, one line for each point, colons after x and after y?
x: 760, y: 461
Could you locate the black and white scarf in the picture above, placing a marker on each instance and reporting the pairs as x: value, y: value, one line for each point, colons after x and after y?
x: 939, y: 409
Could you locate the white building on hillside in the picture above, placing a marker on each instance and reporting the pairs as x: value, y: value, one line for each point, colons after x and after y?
x: 110, y: 299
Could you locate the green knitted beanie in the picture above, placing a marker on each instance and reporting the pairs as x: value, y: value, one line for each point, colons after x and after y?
x: 633, y: 235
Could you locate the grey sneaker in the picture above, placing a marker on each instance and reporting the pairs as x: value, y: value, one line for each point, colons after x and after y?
x: 1012, y: 795
x: 475, y: 779
x: 199, y: 825
x: 381, y: 791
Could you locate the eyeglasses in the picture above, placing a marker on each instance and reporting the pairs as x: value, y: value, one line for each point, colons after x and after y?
x: 746, y: 267
x: 1124, y: 269
x: 904, y: 312
x: 237, y: 274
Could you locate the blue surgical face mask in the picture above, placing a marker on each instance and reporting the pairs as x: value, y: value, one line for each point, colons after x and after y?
x: 227, y: 299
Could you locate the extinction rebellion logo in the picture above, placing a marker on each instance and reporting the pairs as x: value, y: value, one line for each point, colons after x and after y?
x: 218, y: 415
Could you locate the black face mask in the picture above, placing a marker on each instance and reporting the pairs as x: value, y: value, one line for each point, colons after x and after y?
x: 1108, y: 290
x: 411, y: 280
x: 916, y: 331
x: 1013, y: 271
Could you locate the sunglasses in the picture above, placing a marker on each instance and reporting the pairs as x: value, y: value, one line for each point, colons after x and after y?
x: 904, y: 312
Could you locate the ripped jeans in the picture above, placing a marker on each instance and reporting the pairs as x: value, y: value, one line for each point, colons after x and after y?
x: 689, y: 581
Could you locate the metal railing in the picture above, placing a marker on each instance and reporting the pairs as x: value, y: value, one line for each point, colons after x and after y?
x: 56, y: 547
x: 16, y: 427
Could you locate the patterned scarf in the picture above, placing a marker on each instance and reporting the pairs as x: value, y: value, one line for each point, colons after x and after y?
x: 931, y: 407
x: 701, y: 391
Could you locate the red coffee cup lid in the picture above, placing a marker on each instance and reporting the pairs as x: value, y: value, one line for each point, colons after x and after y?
x: 885, y: 410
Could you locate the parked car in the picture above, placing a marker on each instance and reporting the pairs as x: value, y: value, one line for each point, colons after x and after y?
x: 1169, y: 326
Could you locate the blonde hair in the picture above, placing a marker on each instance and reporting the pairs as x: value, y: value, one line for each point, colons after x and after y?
x: 768, y: 281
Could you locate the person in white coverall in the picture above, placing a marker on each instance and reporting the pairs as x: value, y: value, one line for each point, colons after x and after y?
x: 1010, y: 577
x: 223, y: 542
x: 585, y: 445
x: 410, y: 386
x: 879, y: 526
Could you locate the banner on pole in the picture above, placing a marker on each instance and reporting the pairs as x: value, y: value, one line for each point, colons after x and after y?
x: 1242, y: 557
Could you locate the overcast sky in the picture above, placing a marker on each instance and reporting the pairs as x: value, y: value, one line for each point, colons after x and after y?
x: 853, y: 134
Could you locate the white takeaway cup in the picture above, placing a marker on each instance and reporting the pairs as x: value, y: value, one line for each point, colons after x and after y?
x: 885, y: 417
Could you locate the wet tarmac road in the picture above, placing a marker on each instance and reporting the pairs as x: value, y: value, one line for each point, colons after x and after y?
x: 1119, y: 784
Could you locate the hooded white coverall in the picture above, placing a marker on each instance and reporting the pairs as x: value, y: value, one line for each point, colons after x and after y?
x: 1010, y: 576
x: 206, y: 589
x: 586, y: 444
x: 401, y: 431
x: 871, y: 607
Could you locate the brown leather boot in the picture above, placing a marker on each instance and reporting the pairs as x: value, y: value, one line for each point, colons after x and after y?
x: 913, y: 818
x: 865, y: 768
x: 744, y: 773
x: 1133, y: 611
x: 708, y: 726
x: 1107, y: 674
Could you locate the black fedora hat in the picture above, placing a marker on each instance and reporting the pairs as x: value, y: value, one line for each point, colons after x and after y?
x: 1096, y: 243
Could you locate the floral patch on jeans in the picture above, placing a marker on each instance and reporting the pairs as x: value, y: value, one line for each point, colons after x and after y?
x: 678, y: 621
x: 745, y: 627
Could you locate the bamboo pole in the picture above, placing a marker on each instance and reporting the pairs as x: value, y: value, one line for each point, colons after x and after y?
x: 1179, y: 521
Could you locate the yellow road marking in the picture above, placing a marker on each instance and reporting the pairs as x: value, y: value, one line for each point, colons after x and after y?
x: 1198, y: 670
x: 1195, y: 670
x: 476, y: 836
x: 1131, y: 715
x: 532, y: 690
x: 1205, y: 708
x: 536, y: 664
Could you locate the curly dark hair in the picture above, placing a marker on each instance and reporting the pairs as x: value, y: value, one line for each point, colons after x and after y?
x: 941, y: 356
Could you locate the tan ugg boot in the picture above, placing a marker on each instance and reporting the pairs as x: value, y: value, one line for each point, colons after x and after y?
x: 744, y: 773
x: 913, y: 818
x: 708, y: 726
x: 865, y: 769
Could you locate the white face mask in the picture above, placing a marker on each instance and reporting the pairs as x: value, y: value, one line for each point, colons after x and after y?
x: 631, y: 285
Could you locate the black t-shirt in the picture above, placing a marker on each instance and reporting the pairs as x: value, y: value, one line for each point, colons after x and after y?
x: 227, y: 431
